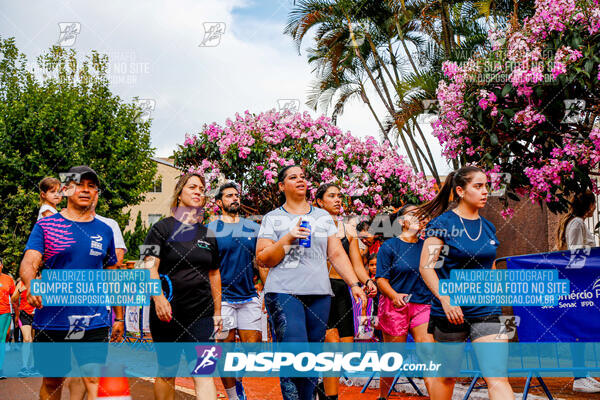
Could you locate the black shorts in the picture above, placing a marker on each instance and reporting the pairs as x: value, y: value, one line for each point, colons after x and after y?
x: 26, y: 319
x: 472, y: 328
x: 179, y: 330
x: 341, y: 314
x: 55, y: 366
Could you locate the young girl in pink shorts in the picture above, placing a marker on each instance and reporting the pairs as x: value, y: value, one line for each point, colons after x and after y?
x: 405, y: 299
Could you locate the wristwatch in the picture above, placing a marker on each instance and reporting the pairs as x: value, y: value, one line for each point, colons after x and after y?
x: 358, y: 284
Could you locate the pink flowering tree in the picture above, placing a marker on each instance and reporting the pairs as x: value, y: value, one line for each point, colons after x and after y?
x: 252, y: 148
x: 530, y: 106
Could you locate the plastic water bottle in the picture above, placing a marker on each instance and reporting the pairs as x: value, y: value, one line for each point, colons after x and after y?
x: 305, y: 242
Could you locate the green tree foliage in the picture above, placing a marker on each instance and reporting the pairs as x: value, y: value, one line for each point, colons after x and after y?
x: 59, y: 115
x: 135, y: 238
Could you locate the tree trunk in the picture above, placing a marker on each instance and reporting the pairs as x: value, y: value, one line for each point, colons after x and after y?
x: 434, y: 170
x: 446, y: 28
x: 415, y: 147
x: 389, y: 107
x: 368, y: 102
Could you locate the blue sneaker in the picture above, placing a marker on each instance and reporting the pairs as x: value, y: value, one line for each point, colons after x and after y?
x: 239, y: 390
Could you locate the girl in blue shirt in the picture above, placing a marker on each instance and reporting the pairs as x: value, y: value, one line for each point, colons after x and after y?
x: 460, y: 238
x: 404, y: 303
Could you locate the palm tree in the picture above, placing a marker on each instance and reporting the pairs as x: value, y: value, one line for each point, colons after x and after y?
x: 347, y: 57
x: 394, y: 48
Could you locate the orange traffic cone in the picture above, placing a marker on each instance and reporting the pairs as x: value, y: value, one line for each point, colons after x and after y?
x: 113, y: 388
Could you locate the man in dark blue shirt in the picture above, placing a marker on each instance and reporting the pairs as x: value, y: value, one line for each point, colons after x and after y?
x: 71, y: 239
x: 241, y: 307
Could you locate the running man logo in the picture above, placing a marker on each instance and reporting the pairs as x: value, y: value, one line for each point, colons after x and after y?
x: 574, y: 111
x: 212, y: 34
x: 185, y: 232
x: 508, y: 326
x: 229, y: 323
x: 578, y: 257
x: 149, y: 250
x: 293, y: 253
x: 207, y: 359
x: 77, y: 326
x: 146, y: 107
x: 67, y: 177
x: 68, y: 33
x: 357, y: 38
x: 358, y: 183
x: 291, y: 105
x: 366, y: 327
x: 499, y: 182
x: 214, y: 183
x: 437, y: 250
x: 429, y: 114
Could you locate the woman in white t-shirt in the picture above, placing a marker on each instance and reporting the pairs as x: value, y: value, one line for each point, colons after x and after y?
x: 50, y: 196
x: 295, y: 241
x: 572, y: 233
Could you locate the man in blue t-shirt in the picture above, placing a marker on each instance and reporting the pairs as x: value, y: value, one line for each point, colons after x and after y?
x: 71, y: 239
x: 241, y: 307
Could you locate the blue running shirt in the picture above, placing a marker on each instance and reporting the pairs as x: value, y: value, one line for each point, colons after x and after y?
x: 464, y: 253
x: 398, y: 262
x: 66, y: 244
x: 237, y: 249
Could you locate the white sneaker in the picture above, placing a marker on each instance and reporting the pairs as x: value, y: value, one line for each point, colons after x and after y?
x: 586, y: 385
x: 593, y: 381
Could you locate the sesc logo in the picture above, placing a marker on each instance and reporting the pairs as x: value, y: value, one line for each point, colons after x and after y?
x: 207, y: 359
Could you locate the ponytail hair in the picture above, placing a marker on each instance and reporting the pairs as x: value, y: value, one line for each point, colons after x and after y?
x: 578, y: 206
x: 461, y: 177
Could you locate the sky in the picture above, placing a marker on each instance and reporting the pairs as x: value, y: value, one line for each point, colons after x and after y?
x: 161, y: 52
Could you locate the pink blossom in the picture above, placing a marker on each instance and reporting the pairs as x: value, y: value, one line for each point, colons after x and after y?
x: 507, y: 213
x: 377, y: 199
x: 449, y: 68
x: 189, y: 140
x: 341, y: 164
x: 529, y: 117
x: 524, y: 91
x: 269, y: 176
x: 483, y: 103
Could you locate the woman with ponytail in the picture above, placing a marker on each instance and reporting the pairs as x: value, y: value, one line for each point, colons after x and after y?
x: 570, y: 235
x: 460, y: 238
x: 296, y: 241
x: 572, y: 232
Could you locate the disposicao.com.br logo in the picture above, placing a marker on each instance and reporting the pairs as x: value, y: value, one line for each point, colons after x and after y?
x: 370, y: 361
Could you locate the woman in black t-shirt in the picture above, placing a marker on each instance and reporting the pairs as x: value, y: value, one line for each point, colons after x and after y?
x: 186, y: 259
